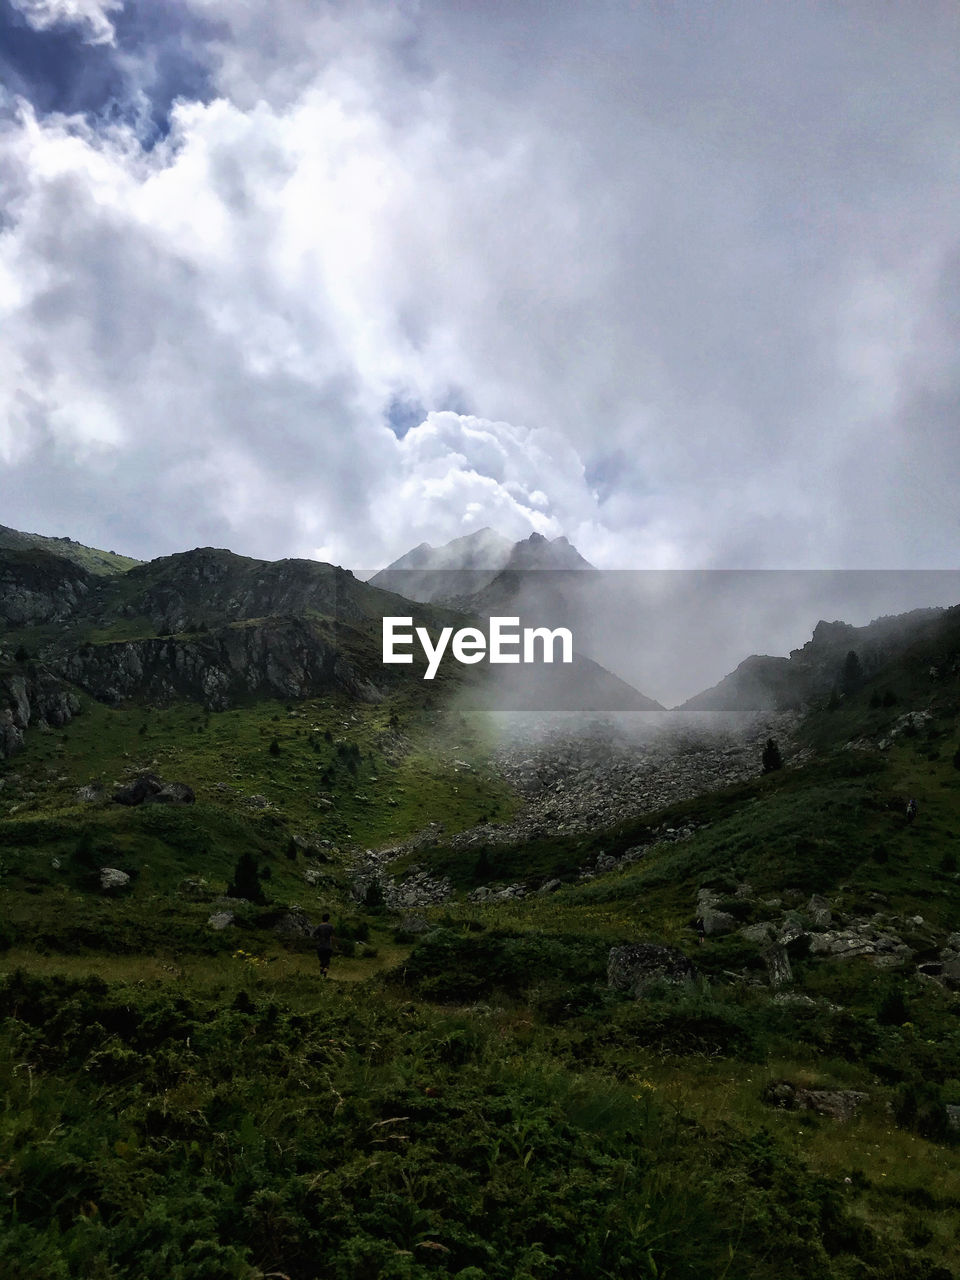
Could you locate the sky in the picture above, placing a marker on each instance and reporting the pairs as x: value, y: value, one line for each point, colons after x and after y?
x: 678, y: 281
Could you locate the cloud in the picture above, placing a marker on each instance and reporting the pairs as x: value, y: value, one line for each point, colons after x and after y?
x: 92, y: 16
x: 456, y: 473
x: 679, y: 291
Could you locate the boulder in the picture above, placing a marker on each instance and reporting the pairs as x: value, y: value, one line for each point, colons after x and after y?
x: 778, y: 966
x: 221, y: 920
x: 147, y: 784
x: 294, y: 923
x: 172, y: 793
x: 818, y: 909
x: 113, y: 878
x: 311, y: 847
x: 638, y: 965
x: 837, y: 1104
x: 717, y: 922
x: 760, y: 933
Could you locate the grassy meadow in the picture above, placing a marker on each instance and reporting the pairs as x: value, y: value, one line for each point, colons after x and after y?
x: 471, y: 1100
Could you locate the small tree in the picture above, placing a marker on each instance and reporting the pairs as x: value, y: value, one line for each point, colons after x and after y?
x: 771, y: 759
x: 21, y: 654
x: 246, y: 880
x: 852, y: 676
x: 274, y: 747
x: 373, y: 898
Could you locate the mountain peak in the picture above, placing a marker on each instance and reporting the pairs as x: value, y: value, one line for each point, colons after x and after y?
x: 469, y: 563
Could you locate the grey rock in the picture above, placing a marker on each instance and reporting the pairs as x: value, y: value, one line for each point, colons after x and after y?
x: 294, y: 923
x: 778, y: 967
x: 311, y: 847
x: 172, y: 793
x: 136, y: 792
x: 818, y: 909
x: 32, y: 697
x: 221, y: 920
x: 92, y: 793
x: 760, y: 933
x: 550, y: 886
x: 790, y: 931
x: 113, y: 878
x: 716, y: 923
x: 837, y: 1104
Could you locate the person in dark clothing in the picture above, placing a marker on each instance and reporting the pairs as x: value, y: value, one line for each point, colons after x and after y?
x: 911, y: 809
x: 323, y: 936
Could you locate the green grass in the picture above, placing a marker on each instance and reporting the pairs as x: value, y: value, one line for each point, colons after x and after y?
x: 473, y: 1102
x: 226, y: 1132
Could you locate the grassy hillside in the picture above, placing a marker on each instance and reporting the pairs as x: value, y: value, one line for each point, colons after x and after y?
x: 473, y: 1100
x: 89, y: 558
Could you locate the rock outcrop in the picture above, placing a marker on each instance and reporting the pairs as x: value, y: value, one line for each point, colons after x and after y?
x: 837, y: 1104
x: 280, y: 657
x: 31, y: 695
x: 149, y: 789
x: 38, y: 588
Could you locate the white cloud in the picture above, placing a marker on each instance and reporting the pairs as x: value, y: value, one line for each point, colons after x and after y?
x: 91, y: 15
x: 692, y: 286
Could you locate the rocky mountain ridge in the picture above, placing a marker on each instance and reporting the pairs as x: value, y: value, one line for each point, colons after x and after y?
x: 817, y: 668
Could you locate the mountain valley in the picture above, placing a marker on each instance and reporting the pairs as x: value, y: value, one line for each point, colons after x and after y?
x: 615, y: 992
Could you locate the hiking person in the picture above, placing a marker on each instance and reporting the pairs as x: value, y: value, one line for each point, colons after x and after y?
x: 323, y: 936
x: 911, y: 810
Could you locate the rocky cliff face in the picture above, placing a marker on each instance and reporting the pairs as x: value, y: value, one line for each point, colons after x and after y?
x: 813, y: 671
x: 210, y: 586
x: 31, y: 695
x: 205, y: 587
x: 37, y: 588
x: 281, y: 657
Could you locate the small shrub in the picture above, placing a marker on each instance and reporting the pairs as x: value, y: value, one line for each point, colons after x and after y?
x: 246, y: 880
x: 919, y: 1106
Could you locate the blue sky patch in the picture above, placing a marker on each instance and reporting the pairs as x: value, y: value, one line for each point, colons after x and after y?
x: 162, y: 53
